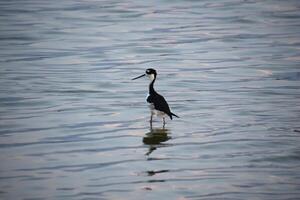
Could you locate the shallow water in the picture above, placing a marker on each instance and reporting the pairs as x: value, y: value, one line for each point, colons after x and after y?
x: 74, y: 126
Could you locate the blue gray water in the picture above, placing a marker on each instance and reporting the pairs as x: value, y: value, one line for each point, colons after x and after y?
x: 74, y: 126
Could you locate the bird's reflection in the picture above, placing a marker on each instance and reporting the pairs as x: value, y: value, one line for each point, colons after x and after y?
x: 155, y: 137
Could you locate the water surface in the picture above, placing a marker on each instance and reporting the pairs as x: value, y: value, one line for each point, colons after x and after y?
x: 74, y: 126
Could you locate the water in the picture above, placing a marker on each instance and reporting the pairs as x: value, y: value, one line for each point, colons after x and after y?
x: 74, y: 126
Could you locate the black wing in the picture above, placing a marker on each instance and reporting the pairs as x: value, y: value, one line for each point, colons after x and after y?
x: 159, y: 103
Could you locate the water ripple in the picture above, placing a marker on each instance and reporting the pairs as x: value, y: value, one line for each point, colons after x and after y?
x: 74, y: 126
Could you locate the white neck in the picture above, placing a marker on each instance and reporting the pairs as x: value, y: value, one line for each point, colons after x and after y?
x: 151, y: 77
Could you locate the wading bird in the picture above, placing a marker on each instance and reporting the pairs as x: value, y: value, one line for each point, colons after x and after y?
x: 158, y: 105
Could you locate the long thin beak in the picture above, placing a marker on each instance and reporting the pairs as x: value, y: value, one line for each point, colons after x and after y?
x: 139, y: 76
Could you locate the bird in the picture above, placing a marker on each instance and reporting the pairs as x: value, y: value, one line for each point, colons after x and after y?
x: 157, y: 103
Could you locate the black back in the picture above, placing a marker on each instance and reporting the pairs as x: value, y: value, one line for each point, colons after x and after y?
x: 159, y: 103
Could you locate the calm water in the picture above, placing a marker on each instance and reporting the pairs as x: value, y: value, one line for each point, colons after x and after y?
x: 74, y: 126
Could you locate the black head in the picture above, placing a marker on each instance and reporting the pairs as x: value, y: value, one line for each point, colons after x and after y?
x: 151, y: 73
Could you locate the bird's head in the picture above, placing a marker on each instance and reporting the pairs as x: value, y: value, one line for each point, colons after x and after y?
x: 150, y: 73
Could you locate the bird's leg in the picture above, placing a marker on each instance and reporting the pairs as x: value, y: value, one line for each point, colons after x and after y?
x: 151, y: 117
x: 164, y: 122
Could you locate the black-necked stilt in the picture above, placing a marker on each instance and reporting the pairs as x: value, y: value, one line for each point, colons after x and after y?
x: 158, y: 104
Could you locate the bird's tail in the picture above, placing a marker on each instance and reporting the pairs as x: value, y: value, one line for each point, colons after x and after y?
x: 172, y: 114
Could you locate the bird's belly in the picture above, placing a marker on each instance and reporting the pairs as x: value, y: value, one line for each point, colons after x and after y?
x: 156, y: 112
